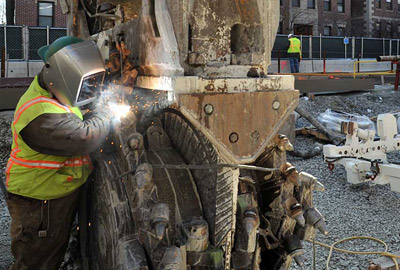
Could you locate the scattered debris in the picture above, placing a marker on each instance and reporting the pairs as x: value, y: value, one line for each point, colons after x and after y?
x: 332, y: 120
x: 306, y: 154
x: 312, y: 132
x: 318, y: 125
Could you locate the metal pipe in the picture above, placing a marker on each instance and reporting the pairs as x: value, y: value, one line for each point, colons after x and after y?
x: 301, y: 44
x: 3, y: 62
x: 279, y: 61
x: 362, y: 47
x: 383, y: 40
x: 345, y: 50
x: 5, y: 49
x: 353, y: 47
x: 320, y: 46
x: 25, y: 31
x: 390, y: 47
x: 48, y: 35
x: 388, y: 58
x: 396, y: 83
x: 398, y: 40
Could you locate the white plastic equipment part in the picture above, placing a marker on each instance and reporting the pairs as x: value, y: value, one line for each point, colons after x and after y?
x: 363, y: 157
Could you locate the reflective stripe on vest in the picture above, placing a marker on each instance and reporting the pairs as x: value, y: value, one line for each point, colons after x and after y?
x: 295, y: 46
x: 24, y: 107
x: 43, y: 164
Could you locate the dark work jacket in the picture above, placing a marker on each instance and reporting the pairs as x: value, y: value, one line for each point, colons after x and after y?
x: 65, y: 134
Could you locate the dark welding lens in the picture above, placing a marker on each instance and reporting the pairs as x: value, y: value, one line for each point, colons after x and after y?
x: 91, y: 85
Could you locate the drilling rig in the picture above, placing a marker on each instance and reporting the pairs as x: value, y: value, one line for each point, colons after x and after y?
x: 196, y: 176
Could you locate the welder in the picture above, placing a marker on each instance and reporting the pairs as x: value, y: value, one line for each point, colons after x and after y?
x: 49, y: 159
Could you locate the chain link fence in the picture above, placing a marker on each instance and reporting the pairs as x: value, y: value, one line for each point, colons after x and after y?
x: 319, y: 47
x: 22, y: 43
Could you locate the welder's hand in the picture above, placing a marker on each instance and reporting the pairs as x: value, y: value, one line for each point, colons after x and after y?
x: 300, y: 58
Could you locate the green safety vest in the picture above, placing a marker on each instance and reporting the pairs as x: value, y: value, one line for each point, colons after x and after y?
x: 295, y: 46
x: 36, y: 175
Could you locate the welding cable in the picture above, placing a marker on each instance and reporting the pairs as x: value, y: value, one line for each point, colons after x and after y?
x: 381, y: 253
x: 201, y: 167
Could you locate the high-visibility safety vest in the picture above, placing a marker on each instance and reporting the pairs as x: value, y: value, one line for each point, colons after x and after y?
x: 36, y: 175
x: 295, y: 46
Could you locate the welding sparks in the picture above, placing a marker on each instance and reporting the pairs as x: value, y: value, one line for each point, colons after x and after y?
x: 119, y: 110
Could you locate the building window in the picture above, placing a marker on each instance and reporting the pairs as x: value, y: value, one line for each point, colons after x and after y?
x: 340, y: 6
x: 378, y: 29
x: 295, y: 3
x: 281, y: 2
x: 45, y: 14
x: 340, y: 31
x: 327, y: 5
x: 378, y: 4
x: 389, y: 5
x: 327, y: 30
x: 311, y: 4
x: 389, y: 30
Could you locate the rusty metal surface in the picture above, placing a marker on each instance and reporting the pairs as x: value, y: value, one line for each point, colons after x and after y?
x: 208, y: 34
x: 131, y: 8
x: 242, y: 124
x: 196, y: 84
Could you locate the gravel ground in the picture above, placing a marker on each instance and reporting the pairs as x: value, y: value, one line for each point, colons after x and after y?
x: 5, y: 146
x: 349, y: 211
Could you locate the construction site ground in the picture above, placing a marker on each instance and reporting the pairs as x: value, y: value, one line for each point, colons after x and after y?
x: 364, y: 210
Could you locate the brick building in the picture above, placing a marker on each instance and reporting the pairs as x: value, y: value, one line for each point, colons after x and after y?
x: 376, y: 18
x: 39, y: 13
x: 326, y: 17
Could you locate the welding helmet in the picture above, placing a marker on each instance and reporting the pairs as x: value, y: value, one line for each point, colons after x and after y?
x: 74, y: 70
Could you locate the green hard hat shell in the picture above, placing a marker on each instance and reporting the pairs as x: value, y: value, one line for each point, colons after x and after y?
x: 46, y: 52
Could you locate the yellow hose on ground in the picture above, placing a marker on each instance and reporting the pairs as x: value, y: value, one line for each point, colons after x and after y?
x: 381, y: 253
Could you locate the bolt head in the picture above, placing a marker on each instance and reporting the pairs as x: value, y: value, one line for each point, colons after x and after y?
x: 233, y: 137
x: 276, y: 105
x: 208, y: 109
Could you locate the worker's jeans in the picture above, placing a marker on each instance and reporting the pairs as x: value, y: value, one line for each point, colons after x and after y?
x: 30, y: 216
x: 294, y: 64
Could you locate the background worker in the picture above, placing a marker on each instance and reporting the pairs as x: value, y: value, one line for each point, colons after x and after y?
x: 49, y: 160
x: 294, y: 53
